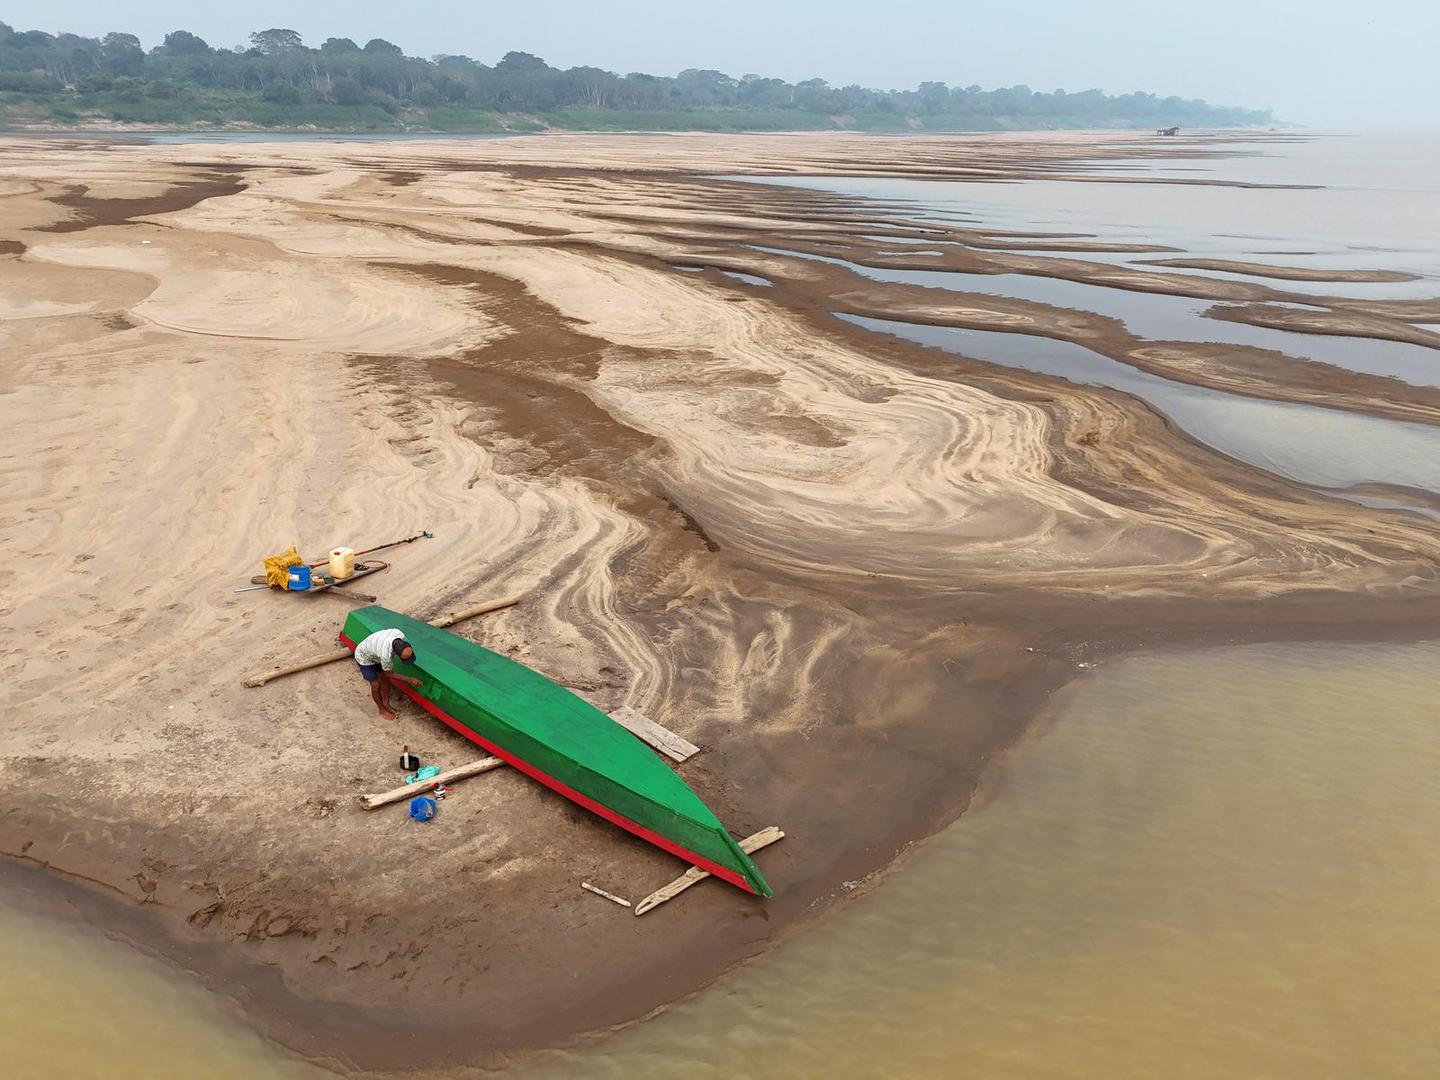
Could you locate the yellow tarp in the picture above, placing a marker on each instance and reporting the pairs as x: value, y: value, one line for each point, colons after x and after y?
x: 276, y: 567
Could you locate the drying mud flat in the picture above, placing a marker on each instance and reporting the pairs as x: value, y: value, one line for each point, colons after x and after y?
x: 848, y: 566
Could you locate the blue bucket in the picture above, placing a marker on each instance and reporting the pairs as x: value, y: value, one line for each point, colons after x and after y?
x: 299, y: 579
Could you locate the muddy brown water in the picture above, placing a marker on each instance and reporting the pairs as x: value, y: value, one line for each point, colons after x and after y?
x: 1211, y: 864
x: 1214, y: 863
x: 75, y: 1004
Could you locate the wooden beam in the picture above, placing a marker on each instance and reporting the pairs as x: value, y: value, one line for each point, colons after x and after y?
x: 662, y: 739
x: 750, y: 845
x: 340, y: 654
x: 460, y: 772
x: 607, y: 895
x: 470, y: 613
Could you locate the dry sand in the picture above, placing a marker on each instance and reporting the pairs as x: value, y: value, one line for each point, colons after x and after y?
x: 848, y: 567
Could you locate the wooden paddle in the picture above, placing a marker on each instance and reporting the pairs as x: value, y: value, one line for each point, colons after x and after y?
x: 427, y: 535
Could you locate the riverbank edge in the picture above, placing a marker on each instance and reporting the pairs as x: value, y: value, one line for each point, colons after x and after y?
x: 526, y: 125
x: 351, y: 1038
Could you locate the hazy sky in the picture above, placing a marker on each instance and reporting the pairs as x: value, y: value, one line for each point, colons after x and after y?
x: 1327, y: 62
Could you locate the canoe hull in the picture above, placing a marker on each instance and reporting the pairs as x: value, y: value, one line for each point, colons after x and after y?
x: 574, y: 796
x: 583, y: 782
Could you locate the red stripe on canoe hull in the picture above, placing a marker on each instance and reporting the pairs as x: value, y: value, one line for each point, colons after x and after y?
x: 570, y: 793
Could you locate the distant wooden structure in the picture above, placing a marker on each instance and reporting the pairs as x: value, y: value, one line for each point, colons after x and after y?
x: 1168, y: 131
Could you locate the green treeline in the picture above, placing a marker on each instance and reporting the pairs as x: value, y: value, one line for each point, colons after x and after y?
x: 278, y: 81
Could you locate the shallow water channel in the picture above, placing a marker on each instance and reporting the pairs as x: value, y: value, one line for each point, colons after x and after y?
x: 1163, y: 317
x: 1328, y: 448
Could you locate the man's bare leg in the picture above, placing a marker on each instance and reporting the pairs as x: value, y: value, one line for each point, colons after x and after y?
x: 380, y: 691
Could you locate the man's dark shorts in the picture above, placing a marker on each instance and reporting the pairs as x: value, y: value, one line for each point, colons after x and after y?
x: 370, y: 671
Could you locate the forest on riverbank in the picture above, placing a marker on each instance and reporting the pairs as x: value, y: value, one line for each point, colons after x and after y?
x: 277, y: 81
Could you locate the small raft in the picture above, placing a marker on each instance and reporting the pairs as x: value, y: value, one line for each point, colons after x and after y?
x: 561, y: 740
x: 365, y: 569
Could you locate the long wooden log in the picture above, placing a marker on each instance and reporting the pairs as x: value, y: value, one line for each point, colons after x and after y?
x: 449, y: 776
x: 303, y: 665
x: 470, y: 613
x: 753, y: 843
x: 341, y: 654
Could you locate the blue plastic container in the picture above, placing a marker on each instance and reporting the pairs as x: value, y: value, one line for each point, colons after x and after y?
x: 299, y: 579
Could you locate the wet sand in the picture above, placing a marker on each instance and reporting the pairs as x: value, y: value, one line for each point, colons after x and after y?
x: 1287, y: 273
x: 850, y: 567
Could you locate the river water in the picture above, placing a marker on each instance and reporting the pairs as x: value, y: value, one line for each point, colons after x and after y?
x: 1208, y: 864
x: 1376, y: 207
x: 1374, y: 204
x: 75, y: 1004
x: 1212, y: 864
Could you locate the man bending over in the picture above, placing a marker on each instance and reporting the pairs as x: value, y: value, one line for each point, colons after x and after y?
x: 376, y: 656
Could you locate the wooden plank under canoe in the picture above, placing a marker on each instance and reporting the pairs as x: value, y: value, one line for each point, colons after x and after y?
x: 662, y: 738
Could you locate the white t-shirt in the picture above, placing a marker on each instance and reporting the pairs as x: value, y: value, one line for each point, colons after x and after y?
x: 378, y: 648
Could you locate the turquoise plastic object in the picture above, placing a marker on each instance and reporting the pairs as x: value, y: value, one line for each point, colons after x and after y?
x: 423, y: 773
x: 423, y: 808
x: 299, y: 578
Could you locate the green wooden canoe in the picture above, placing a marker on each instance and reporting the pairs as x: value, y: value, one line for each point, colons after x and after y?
x: 560, y: 740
